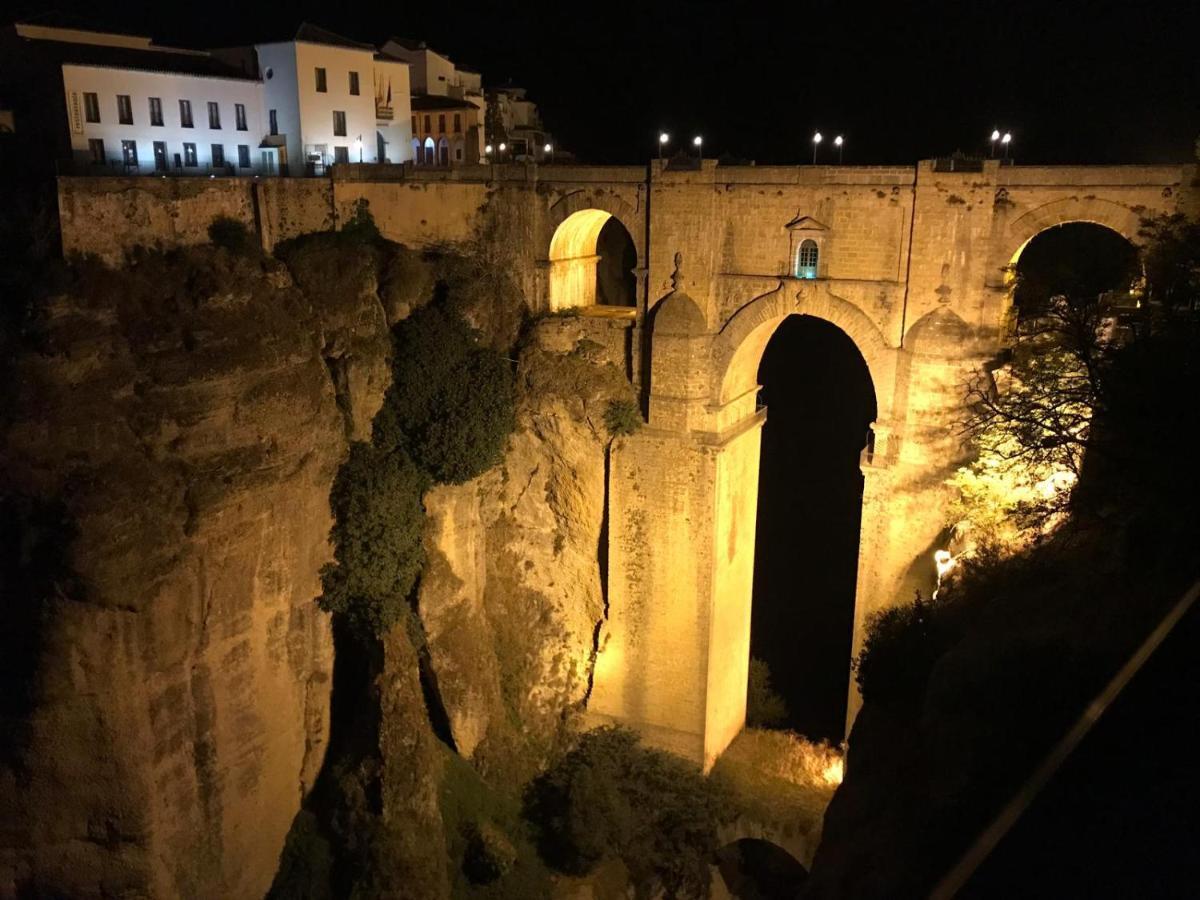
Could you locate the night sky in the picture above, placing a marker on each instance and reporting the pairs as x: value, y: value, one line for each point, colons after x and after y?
x: 1075, y: 82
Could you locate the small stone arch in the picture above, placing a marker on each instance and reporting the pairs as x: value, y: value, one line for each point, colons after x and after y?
x: 573, y: 231
x: 738, y: 348
x: 1095, y: 210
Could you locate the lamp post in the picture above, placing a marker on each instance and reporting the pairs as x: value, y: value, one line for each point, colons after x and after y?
x: 548, y: 150
x: 487, y: 151
x: 663, y: 139
x: 358, y: 144
x: 1006, y: 140
x: 995, y: 137
x: 816, y: 144
x: 503, y: 146
x: 698, y: 143
x: 837, y: 142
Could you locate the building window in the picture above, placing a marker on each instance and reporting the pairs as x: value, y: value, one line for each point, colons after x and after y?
x: 339, y: 123
x: 274, y: 122
x: 129, y: 154
x: 427, y: 128
x: 414, y: 124
x: 189, y: 154
x: 442, y: 124
x: 320, y: 81
x: 458, y: 154
x: 96, y: 148
x: 239, y: 116
x: 185, y: 113
x: 354, y: 84
x: 457, y: 123
x: 218, y: 155
x: 124, y: 109
x: 341, y: 154
x: 430, y: 152
x: 160, y: 156
x: 243, y: 156
x: 91, y: 107
x: 214, y: 115
x: 156, y: 111
x: 806, y: 259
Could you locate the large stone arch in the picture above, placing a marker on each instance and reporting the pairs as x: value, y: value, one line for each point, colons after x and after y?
x: 572, y: 229
x: 1095, y: 210
x: 738, y: 348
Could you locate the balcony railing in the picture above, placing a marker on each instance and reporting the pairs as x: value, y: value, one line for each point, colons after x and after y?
x: 384, y: 113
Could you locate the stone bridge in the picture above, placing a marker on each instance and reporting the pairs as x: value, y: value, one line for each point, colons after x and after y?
x: 909, y: 261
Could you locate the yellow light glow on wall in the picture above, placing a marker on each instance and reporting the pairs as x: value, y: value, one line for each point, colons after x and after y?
x: 573, y: 259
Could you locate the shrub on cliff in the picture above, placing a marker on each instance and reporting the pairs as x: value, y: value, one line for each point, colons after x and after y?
x: 612, y: 798
x: 376, y: 502
x: 234, y: 236
x: 764, y: 706
x: 622, y: 417
x: 451, y: 404
x: 902, y: 644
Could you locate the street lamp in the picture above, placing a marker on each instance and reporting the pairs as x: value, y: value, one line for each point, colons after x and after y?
x: 1006, y: 140
x: 487, y: 150
x: 503, y: 146
x: 358, y: 144
x: 663, y: 138
x: 816, y: 143
x: 548, y: 150
x: 837, y: 142
x: 995, y: 137
x: 698, y: 143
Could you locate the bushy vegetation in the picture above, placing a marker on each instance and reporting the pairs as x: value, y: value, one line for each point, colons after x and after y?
x: 234, y: 236
x: 902, y: 644
x: 378, y: 520
x: 622, y: 417
x: 611, y: 798
x: 451, y: 403
x: 764, y: 706
x: 965, y: 694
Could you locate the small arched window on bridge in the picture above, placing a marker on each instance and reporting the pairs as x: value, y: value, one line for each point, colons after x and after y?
x: 806, y: 259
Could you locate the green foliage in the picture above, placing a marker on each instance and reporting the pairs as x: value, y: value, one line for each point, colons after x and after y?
x: 764, y: 707
x: 622, y: 417
x: 360, y: 227
x: 451, y: 403
x: 306, y: 864
x: 489, y: 845
x: 612, y: 798
x: 376, y: 501
x: 234, y: 236
x: 901, y: 646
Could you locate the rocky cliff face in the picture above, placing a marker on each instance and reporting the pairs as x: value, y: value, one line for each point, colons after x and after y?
x: 512, y: 594
x: 188, y: 413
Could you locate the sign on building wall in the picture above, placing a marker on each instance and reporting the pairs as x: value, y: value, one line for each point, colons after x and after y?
x: 76, y: 113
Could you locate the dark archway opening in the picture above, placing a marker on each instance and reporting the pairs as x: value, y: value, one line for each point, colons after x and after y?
x: 615, y: 281
x: 754, y: 869
x: 820, y: 401
x: 1080, y: 260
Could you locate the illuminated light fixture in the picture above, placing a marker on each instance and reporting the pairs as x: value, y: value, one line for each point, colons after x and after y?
x: 698, y: 143
x: 503, y: 146
x: 487, y: 151
x: 547, y: 148
x: 663, y: 138
x: 837, y: 142
x: 1006, y: 140
x: 816, y: 144
x: 995, y: 137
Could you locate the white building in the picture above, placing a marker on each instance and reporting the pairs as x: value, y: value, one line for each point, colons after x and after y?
x: 139, y: 121
x: 327, y: 100
x: 293, y: 107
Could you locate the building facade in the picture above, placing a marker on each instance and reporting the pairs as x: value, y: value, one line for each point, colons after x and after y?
x: 449, y: 110
x: 125, y: 105
x: 516, y: 122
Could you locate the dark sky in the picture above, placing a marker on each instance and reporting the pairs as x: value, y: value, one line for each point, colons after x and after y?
x: 1075, y: 82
